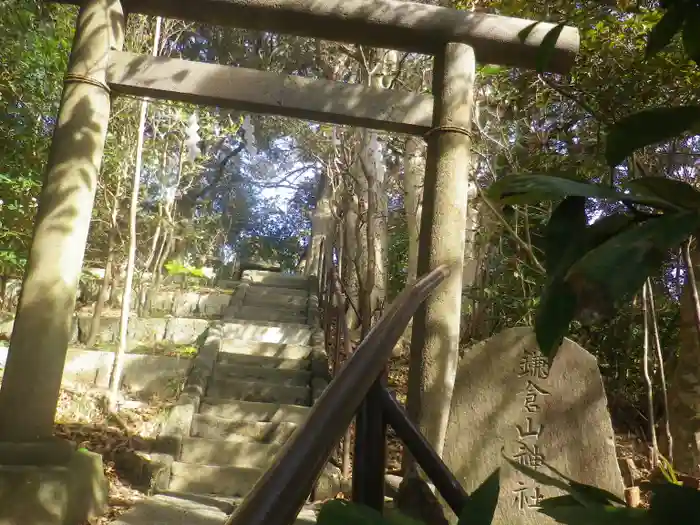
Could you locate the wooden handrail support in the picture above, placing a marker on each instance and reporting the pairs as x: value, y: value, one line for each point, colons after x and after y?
x: 279, y: 495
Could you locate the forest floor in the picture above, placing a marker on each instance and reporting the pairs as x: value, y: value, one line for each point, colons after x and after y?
x: 123, y: 441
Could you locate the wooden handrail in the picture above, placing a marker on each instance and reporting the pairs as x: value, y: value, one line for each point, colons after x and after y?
x: 279, y: 495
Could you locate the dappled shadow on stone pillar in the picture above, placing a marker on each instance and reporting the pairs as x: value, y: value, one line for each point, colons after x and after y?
x: 43, y: 479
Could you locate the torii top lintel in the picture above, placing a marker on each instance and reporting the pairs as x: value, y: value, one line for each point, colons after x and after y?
x: 393, y: 24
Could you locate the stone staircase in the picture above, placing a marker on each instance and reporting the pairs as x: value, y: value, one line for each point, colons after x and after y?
x: 252, y: 384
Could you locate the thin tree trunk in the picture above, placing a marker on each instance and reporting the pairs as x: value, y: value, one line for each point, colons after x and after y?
x: 154, y: 245
x: 662, y: 372
x: 414, y: 172
x: 350, y: 255
x: 646, y: 289
x: 118, y: 366
x: 109, y: 263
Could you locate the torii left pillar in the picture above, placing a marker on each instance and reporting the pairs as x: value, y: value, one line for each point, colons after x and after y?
x: 43, y: 479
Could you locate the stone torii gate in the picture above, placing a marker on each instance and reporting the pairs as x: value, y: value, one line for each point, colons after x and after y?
x: 99, y: 69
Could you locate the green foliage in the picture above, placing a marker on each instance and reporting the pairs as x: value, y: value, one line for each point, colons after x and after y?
x: 178, y: 268
x: 11, y: 264
x: 650, y: 126
x: 34, y: 45
x: 481, y: 505
x: 478, y: 510
x: 587, y: 505
x: 583, y: 270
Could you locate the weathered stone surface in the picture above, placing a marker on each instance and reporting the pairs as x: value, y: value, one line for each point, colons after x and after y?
x: 506, y: 396
x: 329, y: 483
x: 185, y: 304
x: 70, y: 493
x: 145, y: 330
x: 109, y: 329
x: 145, y: 375
x: 161, y: 301
x: 6, y: 329
x: 211, y: 304
x: 185, y: 331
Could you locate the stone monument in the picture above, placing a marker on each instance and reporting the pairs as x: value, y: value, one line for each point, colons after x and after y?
x: 507, y: 397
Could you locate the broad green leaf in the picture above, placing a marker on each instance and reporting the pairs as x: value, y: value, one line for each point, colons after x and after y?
x: 691, y: 31
x: 489, y: 70
x: 538, y: 476
x: 619, y: 266
x: 648, y: 127
x: 667, y: 470
x: 595, y: 494
x: 676, y: 193
x: 554, y: 314
x: 560, y: 300
x: 568, y: 221
x: 605, y: 227
x: 585, y: 495
x: 546, y: 48
x: 663, y: 32
x: 676, y: 504
x: 340, y: 512
x: 396, y: 517
x: 596, y: 515
x: 531, y: 189
x: 567, y: 500
x: 481, y: 505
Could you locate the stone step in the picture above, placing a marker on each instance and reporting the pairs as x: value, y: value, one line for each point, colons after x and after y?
x: 279, y: 376
x: 251, y: 411
x: 259, y: 290
x: 276, y: 279
x: 268, y: 314
x: 264, y: 349
x: 261, y: 361
x: 298, y: 302
x: 214, y: 427
x: 213, y: 479
x: 267, y: 332
x: 185, y: 508
x: 264, y: 309
x: 228, y: 453
x: 224, y: 504
x: 263, y: 392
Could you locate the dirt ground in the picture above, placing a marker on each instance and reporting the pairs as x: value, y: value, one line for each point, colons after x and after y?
x: 123, y: 441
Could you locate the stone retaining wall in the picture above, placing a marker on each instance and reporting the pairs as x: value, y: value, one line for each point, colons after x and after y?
x: 142, y: 330
x: 146, y: 375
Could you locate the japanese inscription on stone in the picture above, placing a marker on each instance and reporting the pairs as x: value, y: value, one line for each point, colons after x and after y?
x: 508, y: 400
x: 533, y: 367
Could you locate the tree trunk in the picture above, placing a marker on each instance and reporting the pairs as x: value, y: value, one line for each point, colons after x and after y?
x: 376, y: 219
x: 350, y: 254
x: 414, y: 174
x: 684, y: 391
x: 118, y: 366
x: 321, y: 224
x: 109, y: 262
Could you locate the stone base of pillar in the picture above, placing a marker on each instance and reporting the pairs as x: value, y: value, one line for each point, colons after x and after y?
x: 61, y: 486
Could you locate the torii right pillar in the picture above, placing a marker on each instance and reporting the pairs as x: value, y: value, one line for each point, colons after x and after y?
x: 435, y: 336
x: 436, y: 325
